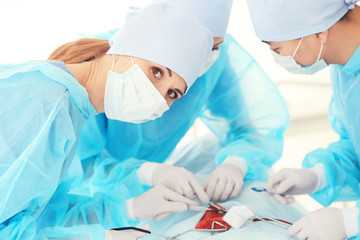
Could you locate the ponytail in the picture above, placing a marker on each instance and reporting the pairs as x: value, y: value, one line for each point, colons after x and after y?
x: 84, y: 49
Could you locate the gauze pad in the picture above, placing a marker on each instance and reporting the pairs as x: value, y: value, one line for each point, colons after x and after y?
x: 237, y: 216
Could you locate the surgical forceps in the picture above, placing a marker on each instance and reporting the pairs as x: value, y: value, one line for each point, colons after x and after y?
x: 144, y: 231
x: 212, y: 230
x: 176, y: 237
x: 274, y: 221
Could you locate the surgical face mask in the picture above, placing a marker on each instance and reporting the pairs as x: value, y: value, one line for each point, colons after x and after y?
x: 213, y: 56
x: 131, y: 97
x: 289, y: 63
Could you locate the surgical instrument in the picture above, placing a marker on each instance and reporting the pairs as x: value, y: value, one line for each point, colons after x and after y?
x: 199, y: 208
x: 175, y: 237
x: 274, y: 221
x: 212, y: 230
x: 262, y: 189
x: 144, y: 231
x: 218, y: 208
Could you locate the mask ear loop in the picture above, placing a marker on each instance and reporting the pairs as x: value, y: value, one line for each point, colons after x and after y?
x: 133, y: 63
x: 113, y: 64
x: 321, y: 49
x: 132, y: 60
x: 297, y: 48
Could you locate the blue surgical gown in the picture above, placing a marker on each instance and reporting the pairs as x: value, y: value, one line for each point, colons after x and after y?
x: 42, y: 111
x: 341, y: 159
x: 235, y: 99
x: 89, y: 202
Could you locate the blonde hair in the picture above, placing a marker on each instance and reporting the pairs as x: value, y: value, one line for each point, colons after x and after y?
x: 84, y: 49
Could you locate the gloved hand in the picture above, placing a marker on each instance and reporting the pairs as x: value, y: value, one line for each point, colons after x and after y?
x: 292, y: 182
x: 321, y: 224
x: 224, y: 182
x: 159, y: 202
x: 179, y: 180
x: 125, y: 235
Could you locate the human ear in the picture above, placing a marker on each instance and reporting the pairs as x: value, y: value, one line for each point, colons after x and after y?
x: 322, y: 37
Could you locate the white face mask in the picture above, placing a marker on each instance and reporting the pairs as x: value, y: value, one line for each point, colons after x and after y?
x: 131, y: 97
x: 289, y: 63
x: 213, y: 56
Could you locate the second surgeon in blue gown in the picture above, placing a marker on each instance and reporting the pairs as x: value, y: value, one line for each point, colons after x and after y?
x: 305, y: 37
x: 234, y: 98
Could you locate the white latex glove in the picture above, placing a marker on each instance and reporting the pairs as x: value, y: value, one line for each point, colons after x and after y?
x: 179, y: 180
x: 224, y: 182
x: 159, y: 202
x: 125, y: 235
x: 322, y: 224
x: 292, y: 182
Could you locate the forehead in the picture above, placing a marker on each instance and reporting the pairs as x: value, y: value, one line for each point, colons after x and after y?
x: 282, y: 43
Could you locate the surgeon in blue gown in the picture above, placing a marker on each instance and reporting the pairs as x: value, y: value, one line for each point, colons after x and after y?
x: 45, y: 103
x: 234, y: 98
x: 305, y: 37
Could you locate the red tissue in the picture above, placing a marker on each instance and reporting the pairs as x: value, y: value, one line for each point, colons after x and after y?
x: 210, y: 216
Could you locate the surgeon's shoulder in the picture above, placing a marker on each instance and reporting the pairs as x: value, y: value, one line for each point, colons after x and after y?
x: 235, y: 51
x: 31, y: 81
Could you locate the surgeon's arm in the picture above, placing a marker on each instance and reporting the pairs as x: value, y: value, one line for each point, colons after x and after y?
x: 247, y: 113
x: 36, y: 151
x: 341, y: 172
x: 339, y: 160
x: 103, y: 200
x: 84, y: 212
x: 28, y: 183
x: 115, y: 198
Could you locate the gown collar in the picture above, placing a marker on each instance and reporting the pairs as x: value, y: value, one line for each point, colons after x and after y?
x: 353, y: 65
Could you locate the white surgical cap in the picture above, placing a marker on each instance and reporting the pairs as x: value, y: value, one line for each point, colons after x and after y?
x: 283, y: 20
x: 214, y: 14
x: 166, y: 35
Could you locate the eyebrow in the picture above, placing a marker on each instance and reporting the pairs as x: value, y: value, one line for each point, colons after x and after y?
x: 176, y: 89
x: 170, y: 73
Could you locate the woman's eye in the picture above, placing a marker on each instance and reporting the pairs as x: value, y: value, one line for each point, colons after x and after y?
x: 157, y: 72
x: 172, y: 94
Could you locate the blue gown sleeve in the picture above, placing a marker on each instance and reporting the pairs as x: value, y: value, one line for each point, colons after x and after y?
x: 341, y: 172
x: 341, y: 163
x: 100, y: 198
x: 37, y: 144
x: 247, y: 113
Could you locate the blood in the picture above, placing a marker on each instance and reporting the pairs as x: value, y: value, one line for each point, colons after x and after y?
x: 210, y: 216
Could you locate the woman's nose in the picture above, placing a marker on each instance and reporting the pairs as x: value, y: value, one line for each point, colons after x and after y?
x: 163, y: 91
